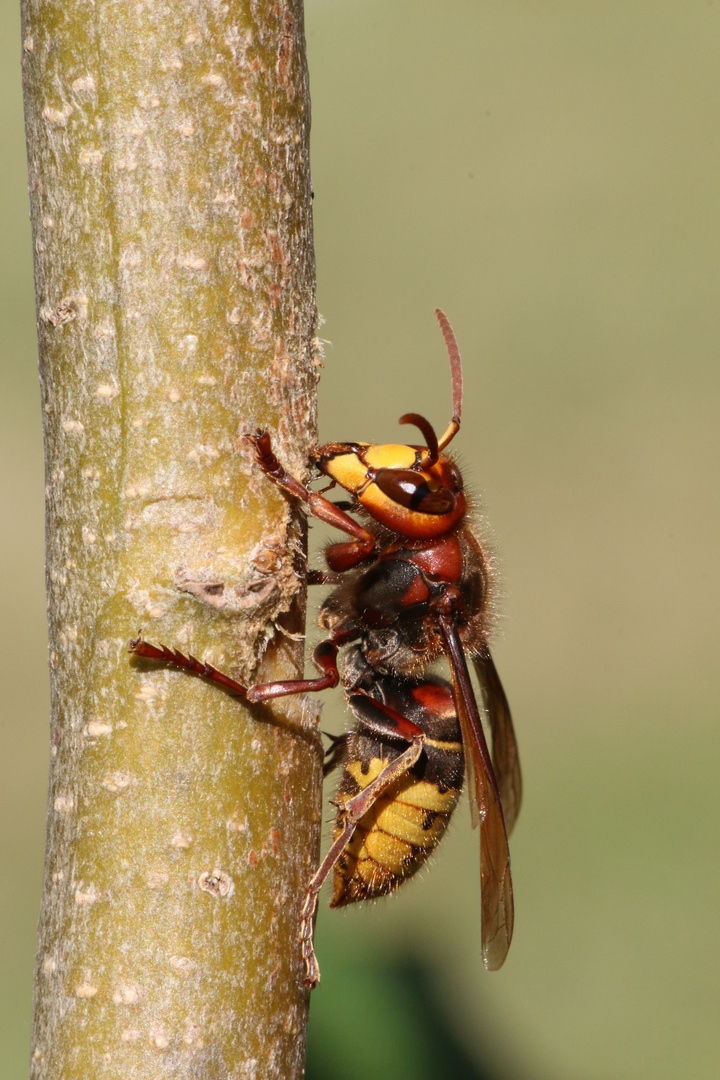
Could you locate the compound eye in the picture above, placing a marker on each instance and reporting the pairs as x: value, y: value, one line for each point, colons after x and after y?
x: 411, y: 490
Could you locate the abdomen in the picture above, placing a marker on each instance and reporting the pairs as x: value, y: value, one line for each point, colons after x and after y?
x: 398, y: 833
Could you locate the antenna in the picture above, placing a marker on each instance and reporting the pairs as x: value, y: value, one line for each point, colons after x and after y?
x: 428, y: 435
x: 457, y: 379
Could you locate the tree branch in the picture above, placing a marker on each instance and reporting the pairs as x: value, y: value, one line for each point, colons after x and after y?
x: 170, y: 197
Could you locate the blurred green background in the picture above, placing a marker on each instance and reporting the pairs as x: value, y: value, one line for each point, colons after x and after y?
x: 549, y: 174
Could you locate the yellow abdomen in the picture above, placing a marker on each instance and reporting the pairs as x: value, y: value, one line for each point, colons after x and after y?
x: 394, y: 838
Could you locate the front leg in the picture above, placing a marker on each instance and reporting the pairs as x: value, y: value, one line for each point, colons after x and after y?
x: 340, y: 556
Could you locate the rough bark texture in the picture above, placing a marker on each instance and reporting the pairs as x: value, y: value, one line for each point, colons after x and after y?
x: 171, y: 212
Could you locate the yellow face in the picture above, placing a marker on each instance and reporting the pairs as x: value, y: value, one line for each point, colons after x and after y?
x: 390, y: 482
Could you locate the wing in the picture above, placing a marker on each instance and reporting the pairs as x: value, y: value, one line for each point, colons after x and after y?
x: 497, y: 894
x: 506, y: 763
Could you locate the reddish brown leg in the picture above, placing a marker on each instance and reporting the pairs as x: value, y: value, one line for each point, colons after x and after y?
x: 363, y: 544
x: 341, y: 557
x: 353, y: 811
x: 186, y: 663
x: 324, y: 658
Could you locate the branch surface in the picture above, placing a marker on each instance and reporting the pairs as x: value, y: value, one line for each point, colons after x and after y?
x: 170, y: 200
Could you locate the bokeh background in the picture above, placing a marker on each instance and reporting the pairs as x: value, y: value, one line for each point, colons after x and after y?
x: 548, y: 172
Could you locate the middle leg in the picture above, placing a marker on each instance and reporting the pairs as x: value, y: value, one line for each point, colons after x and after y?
x: 324, y: 658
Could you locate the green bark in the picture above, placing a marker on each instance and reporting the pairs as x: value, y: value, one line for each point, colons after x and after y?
x: 170, y: 199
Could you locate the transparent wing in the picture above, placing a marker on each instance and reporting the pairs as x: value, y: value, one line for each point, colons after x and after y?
x: 506, y: 763
x: 496, y: 880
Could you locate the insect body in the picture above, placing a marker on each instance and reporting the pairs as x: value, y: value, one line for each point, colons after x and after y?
x: 412, y: 583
